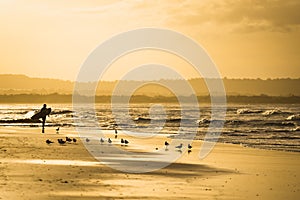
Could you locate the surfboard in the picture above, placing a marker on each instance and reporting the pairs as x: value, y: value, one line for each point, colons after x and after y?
x: 41, y: 114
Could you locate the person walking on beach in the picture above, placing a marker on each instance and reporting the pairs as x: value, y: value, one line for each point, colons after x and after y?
x: 42, y: 114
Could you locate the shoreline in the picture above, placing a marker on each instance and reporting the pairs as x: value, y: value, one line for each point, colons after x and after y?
x: 38, y: 126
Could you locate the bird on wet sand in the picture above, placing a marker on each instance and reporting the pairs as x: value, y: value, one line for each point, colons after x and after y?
x: 109, y: 141
x: 179, y: 146
x: 190, y: 148
x: 74, y: 140
x: 167, y: 144
x: 101, y: 140
x: 57, y: 130
x: 122, y: 141
x: 68, y: 139
x: 61, y: 141
x: 49, y: 141
x: 126, y: 142
x: 87, y: 140
x: 116, y: 133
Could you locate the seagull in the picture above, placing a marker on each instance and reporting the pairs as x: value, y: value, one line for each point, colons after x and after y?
x: 126, y: 142
x: 49, y: 141
x: 57, y: 130
x: 87, y: 139
x: 101, y: 140
x: 190, y: 146
x: 122, y: 141
x: 68, y: 139
x: 179, y: 147
x: 109, y: 141
x: 166, y: 144
x: 116, y: 131
x: 60, y: 141
x: 74, y: 140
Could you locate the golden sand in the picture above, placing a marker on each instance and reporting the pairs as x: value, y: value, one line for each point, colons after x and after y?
x: 31, y: 169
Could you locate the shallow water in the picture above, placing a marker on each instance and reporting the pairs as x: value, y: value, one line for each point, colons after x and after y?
x: 260, y: 126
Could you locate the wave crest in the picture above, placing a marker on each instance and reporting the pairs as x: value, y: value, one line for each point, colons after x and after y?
x: 293, y: 117
x: 247, y: 111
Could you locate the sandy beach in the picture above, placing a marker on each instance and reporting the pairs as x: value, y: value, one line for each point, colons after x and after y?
x: 149, y: 100
x: 31, y: 169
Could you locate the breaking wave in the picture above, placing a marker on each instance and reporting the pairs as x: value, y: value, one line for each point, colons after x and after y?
x: 247, y: 111
x: 293, y: 117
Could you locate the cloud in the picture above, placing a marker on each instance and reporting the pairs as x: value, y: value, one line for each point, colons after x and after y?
x: 240, y: 15
x: 99, y: 8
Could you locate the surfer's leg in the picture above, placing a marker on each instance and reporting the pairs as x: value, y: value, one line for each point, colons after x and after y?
x: 43, y: 126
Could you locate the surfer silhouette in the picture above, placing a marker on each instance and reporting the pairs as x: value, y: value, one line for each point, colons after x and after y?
x: 42, y: 114
x: 44, y: 117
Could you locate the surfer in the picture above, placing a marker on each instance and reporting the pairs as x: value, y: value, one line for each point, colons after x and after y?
x: 42, y: 114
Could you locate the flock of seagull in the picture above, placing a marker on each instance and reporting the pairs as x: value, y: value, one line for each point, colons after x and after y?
x: 61, y: 141
x: 102, y: 141
x: 179, y: 147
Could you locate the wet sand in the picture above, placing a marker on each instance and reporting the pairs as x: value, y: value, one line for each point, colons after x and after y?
x: 31, y: 169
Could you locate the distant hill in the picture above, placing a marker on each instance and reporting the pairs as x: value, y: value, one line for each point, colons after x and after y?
x: 21, y: 84
x: 16, y: 84
x: 67, y: 98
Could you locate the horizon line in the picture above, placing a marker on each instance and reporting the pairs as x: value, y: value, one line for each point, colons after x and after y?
x: 223, y: 78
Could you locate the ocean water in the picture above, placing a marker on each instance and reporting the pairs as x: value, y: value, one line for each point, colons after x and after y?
x: 267, y: 126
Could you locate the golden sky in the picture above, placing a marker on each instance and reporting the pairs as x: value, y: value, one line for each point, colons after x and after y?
x: 245, y: 38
